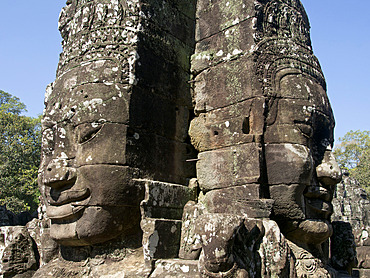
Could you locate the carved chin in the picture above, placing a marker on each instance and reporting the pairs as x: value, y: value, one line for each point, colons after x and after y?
x: 95, y: 225
x: 311, y: 231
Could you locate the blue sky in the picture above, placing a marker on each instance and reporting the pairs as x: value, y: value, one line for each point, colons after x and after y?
x: 340, y: 33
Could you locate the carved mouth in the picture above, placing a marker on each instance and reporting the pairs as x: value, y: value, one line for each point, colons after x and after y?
x: 320, y: 208
x: 67, y: 202
x: 58, y: 198
x: 319, y: 193
x: 65, y: 211
x: 318, y: 202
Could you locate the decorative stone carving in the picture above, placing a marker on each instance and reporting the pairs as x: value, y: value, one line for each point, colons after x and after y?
x: 263, y: 122
x: 222, y: 159
x: 18, y: 253
x: 109, y: 120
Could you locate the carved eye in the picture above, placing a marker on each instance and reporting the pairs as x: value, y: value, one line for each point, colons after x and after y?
x: 87, y: 132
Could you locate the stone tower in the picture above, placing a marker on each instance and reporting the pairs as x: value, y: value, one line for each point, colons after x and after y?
x: 188, y: 139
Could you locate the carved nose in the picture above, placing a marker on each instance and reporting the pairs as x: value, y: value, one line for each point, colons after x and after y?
x: 58, y: 173
x: 328, y: 172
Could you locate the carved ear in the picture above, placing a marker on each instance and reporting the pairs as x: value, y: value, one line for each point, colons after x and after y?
x: 272, y: 110
x: 280, y: 73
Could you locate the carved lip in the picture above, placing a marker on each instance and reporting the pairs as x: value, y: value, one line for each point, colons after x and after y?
x: 58, y: 198
x: 318, y: 201
x: 320, y: 207
x: 67, y: 202
x: 66, y: 210
x: 319, y: 193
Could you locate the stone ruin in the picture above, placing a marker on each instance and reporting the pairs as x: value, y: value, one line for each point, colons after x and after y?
x: 351, y: 223
x: 185, y: 139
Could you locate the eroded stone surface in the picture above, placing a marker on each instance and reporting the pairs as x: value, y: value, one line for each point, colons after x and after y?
x: 18, y: 252
x: 117, y: 112
x: 176, y: 268
x: 131, y: 114
x: 255, y: 57
x: 39, y: 231
x: 351, y: 208
x: 119, y: 263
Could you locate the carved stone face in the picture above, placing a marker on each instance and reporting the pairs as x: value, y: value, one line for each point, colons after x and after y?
x: 301, y: 169
x: 84, y: 175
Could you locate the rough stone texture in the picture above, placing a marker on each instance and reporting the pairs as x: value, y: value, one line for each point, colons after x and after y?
x: 198, y: 129
x: 233, y: 246
x: 18, y: 252
x: 361, y: 273
x: 161, y: 238
x: 189, y: 243
x: 230, y: 166
x: 363, y: 256
x: 112, y: 263
x: 165, y: 200
x: 352, y: 206
x: 39, y: 231
x: 343, y: 247
x: 117, y: 112
x: 161, y: 213
x: 263, y: 126
x: 275, y: 253
x: 239, y: 200
x: 310, y: 265
x: 176, y: 268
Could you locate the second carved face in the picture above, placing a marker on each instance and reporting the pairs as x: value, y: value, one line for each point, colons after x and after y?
x: 301, y: 170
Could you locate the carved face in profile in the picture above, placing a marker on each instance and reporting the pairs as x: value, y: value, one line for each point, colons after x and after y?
x: 301, y: 169
x: 84, y: 176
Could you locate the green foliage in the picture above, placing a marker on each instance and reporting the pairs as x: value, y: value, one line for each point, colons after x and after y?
x: 353, y: 154
x: 11, y: 104
x: 20, y: 146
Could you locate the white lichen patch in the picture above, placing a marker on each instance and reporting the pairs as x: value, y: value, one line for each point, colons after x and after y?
x: 228, y: 57
x: 299, y: 150
x: 185, y: 268
x: 237, y: 51
x: 62, y: 156
x: 236, y: 21
x: 62, y: 132
x: 173, y: 229
x: 48, y: 92
x: 92, y: 104
x: 364, y: 235
x: 219, y: 53
x: 220, y: 252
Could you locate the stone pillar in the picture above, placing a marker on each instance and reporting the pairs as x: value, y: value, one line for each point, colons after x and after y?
x: 229, y: 122
x: 118, y: 111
